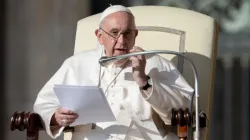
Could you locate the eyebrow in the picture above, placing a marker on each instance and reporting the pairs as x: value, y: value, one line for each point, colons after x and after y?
x: 116, y: 29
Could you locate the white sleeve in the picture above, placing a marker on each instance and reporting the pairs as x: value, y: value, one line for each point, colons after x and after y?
x: 46, y: 102
x: 169, y: 89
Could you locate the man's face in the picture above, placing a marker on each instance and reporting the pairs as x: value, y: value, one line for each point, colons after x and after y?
x: 117, y: 33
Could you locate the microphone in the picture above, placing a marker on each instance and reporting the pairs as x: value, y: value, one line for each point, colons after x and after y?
x: 104, y: 61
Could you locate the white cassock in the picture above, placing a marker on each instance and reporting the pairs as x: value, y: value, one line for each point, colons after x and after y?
x: 133, y: 111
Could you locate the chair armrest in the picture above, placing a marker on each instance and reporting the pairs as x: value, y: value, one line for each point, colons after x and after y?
x: 183, y: 117
x: 32, y: 122
x: 26, y: 120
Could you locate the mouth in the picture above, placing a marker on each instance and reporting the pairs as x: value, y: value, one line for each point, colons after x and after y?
x: 120, y: 51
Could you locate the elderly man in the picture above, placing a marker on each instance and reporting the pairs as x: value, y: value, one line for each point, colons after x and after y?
x: 141, y: 90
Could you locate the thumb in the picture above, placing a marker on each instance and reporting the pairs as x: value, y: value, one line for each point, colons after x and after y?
x: 133, y: 49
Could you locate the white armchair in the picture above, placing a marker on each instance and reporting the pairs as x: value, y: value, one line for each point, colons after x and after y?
x: 168, y: 28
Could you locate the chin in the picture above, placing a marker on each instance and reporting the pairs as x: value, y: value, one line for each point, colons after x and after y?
x: 121, y: 62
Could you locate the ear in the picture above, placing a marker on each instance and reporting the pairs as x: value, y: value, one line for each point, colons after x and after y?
x: 99, y: 36
x: 136, y: 32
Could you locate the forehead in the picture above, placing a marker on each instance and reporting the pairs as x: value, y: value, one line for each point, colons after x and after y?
x: 119, y: 20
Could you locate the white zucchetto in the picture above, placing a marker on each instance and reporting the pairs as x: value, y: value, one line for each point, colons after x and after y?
x: 112, y: 9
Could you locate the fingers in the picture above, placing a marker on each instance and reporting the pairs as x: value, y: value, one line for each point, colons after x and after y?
x: 65, y: 117
x: 72, y: 116
x: 137, y: 49
x: 65, y: 122
x: 139, y: 60
x: 135, y: 61
x: 64, y: 111
x: 65, y: 114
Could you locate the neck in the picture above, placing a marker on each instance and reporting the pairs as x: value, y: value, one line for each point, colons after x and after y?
x: 121, y: 63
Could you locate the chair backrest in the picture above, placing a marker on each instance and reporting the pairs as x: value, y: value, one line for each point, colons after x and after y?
x: 168, y: 28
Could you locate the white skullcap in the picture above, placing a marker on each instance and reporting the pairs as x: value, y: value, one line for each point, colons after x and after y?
x: 112, y: 9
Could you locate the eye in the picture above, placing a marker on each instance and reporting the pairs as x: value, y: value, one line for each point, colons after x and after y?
x: 114, y: 33
x: 128, y: 33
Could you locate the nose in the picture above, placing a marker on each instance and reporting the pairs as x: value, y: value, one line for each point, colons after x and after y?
x: 121, y: 39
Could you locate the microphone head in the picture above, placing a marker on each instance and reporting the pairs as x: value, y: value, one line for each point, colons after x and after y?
x: 104, y: 61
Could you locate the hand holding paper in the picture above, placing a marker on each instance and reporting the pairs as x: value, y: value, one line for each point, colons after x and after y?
x: 88, y: 102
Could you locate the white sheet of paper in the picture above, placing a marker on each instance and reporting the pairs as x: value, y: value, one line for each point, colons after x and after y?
x: 88, y: 102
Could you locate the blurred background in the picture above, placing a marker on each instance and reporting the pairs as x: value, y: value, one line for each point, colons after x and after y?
x: 36, y: 36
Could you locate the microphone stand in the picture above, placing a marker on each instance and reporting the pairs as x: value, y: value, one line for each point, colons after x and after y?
x: 106, y: 60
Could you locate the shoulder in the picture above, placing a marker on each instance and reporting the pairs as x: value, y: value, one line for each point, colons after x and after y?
x: 84, y: 57
x: 159, y: 62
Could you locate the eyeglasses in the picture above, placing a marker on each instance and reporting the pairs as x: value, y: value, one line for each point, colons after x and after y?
x: 114, y: 35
